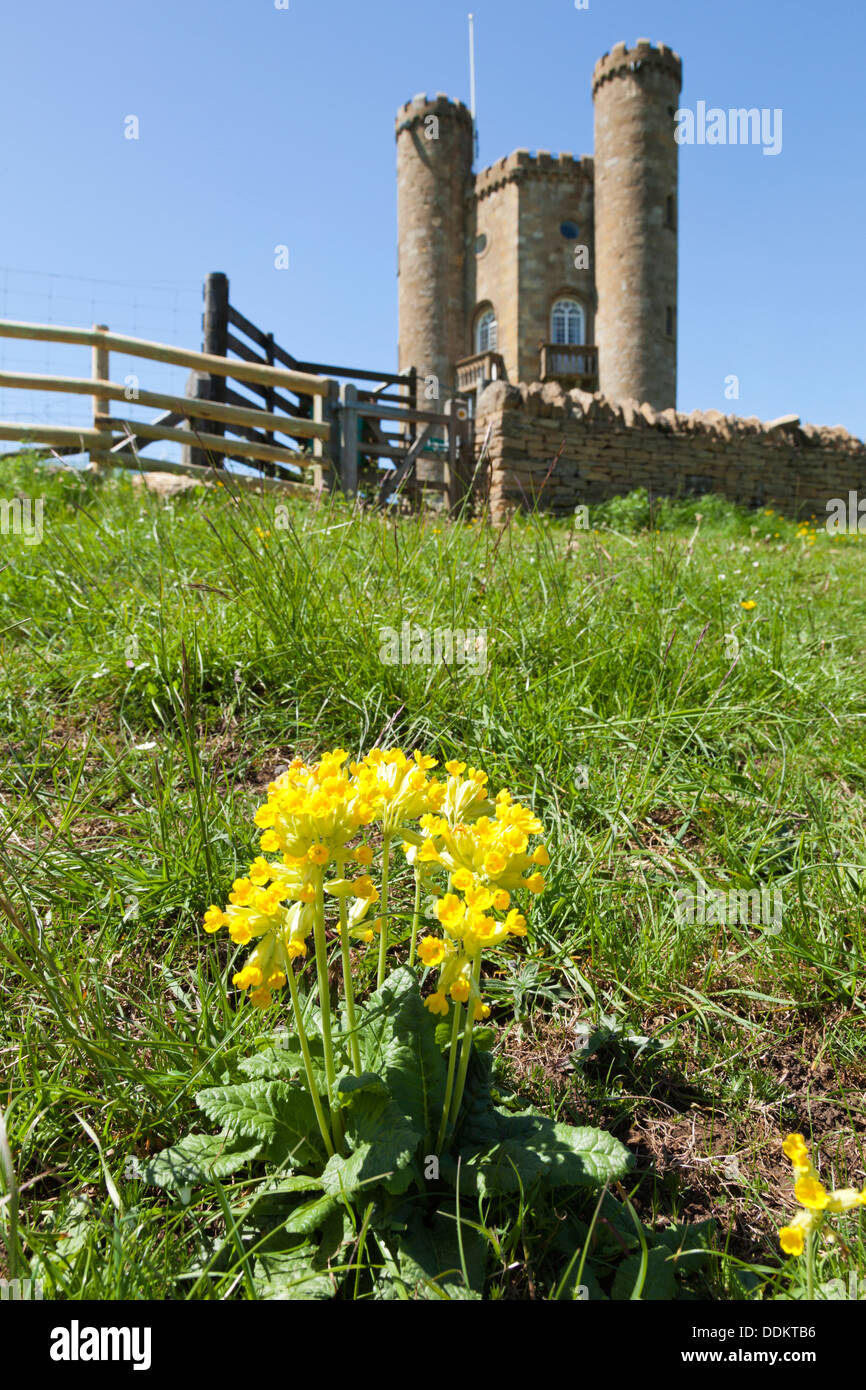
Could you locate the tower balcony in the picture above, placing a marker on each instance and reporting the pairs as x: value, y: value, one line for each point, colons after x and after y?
x: 569, y: 364
x: 475, y: 372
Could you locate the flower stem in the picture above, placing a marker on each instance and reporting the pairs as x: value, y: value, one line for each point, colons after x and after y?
x: 348, y: 988
x: 325, y: 1007
x: 466, y: 1046
x: 449, y: 1080
x: 308, y: 1065
x: 416, y: 916
x: 383, y: 918
x: 810, y: 1266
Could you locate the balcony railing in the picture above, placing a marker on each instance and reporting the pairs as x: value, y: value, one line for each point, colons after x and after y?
x: 576, y: 365
x: 473, y: 373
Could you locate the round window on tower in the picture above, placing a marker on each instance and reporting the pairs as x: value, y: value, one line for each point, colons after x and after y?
x: 481, y: 244
x: 569, y: 230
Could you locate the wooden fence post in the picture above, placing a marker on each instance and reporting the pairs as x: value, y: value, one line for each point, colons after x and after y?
x: 101, y: 371
x: 326, y: 472
x: 214, y: 339
x: 349, y: 439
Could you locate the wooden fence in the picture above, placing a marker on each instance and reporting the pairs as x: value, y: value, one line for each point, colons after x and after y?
x: 300, y: 404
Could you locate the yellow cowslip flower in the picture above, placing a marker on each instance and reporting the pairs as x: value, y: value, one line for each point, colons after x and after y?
x: 540, y: 856
x: 516, y: 923
x: 816, y: 1202
x: 481, y: 1011
x: 215, y: 918
x: 431, y: 950
x: 501, y: 899
x: 436, y: 1003
x: 260, y: 872
x: 318, y: 854
x: 479, y: 899
x: 811, y: 1192
x: 494, y: 863
x: 460, y: 990
x: 450, y: 910
x: 796, y: 1149
x: 462, y: 880
x: 454, y: 768
x: 535, y: 883
x: 363, y: 855
x: 270, y: 842
x: 792, y: 1239
x: 428, y: 853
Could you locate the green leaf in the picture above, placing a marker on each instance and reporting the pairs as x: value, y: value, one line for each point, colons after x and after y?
x: 428, y: 1253
x: 291, y: 1275
x: 278, y: 1113
x: 533, y: 1148
x: 660, y: 1283
x: 199, y: 1158
x: 286, y: 1063
x: 274, y: 1200
x: 398, y: 1041
x: 688, y: 1243
x: 382, y: 1143
x: 478, y: 1122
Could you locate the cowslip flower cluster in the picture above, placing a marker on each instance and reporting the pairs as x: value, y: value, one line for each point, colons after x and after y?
x: 486, y: 858
x: 473, y: 854
x: 815, y: 1201
x: 310, y: 815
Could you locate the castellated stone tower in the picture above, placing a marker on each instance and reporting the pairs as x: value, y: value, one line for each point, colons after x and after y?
x: 636, y: 93
x: 546, y: 267
x: 434, y: 176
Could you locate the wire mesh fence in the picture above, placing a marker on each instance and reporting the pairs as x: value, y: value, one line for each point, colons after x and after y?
x: 162, y: 312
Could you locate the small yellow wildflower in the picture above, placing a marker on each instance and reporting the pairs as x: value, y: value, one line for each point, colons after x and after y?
x: 748, y: 604
x: 431, y: 950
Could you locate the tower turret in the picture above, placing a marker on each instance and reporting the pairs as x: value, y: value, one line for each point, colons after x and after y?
x: 636, y: 94
x: 434, y: 176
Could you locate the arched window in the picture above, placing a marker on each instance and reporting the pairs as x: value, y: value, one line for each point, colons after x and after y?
x: 486, y: 332
x: 567, y: 322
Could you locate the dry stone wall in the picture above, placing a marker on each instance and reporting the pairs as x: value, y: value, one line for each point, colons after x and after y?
x: 563, y: 448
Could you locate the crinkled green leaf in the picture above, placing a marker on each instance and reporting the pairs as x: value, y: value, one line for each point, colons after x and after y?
x: 398, y: 1042
x: 278, y: 1113
x: 533, y: 1148
x: 382, y: 1142
x: 291, y: 1275
x: 478, y: 1122
x: 199, y: 1158
x: 286, y: 1063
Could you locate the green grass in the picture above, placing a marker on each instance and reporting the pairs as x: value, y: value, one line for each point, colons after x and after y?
x: 161, y: 659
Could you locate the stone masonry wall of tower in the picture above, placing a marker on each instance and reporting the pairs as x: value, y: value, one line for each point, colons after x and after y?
x: 434, y: 174
x: 636, y: 93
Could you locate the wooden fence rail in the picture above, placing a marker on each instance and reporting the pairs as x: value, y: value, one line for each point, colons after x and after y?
x: 347, y: 427
x: 101, y: 441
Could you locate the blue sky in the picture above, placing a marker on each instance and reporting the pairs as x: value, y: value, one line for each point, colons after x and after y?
x: 262, y: 126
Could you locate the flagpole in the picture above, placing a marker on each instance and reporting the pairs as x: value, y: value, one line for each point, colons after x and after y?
x: 472, y: 81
